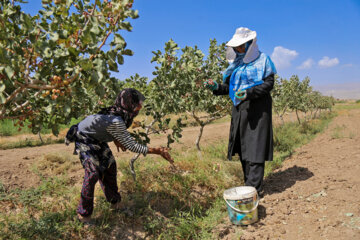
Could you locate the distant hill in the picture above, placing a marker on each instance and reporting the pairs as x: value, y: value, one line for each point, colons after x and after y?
x: 350, y: 90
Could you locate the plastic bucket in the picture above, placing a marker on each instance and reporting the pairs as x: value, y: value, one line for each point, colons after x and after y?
x: 242, y: 204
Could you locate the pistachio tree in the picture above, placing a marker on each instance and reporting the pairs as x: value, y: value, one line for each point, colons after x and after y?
x: 57, y: 65
x: 185, y: 71
x: 281, y: 95
x: 315, y: 100
x: 199, y: 102
x: 161, y: 107
x: 299, y: 92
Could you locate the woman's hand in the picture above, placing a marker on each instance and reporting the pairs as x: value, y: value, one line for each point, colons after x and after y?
x: 210, y: 84
x: 162, y: 151
x: 119, y: 145
x: 241, y: 94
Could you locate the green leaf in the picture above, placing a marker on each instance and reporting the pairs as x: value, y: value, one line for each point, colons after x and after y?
x: 64, y: 33
x: 86, y: 64
x: 48, y: 109
x: 134, y: 14
x: 2, y: 98
x: 55, y: 129
x: 113, y: 66
x: 95, y: 29
x: 54, y: 36
x: 94, y: 78
x: 27, y: 20
x: 127, y: 52
x: 47, y: 52
x: 67, y: 109
x: 9, y: 72
x: 120, y: 59
x: 118, y: 41
x: 73, y: 51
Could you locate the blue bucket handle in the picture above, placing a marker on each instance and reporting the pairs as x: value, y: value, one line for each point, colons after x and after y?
x: 244, y: 211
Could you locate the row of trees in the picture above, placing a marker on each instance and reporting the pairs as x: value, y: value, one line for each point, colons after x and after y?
x: 298, y: 96
x: 177, y: 89
x: 54, y: 67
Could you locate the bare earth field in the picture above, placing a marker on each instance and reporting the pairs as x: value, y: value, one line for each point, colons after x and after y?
x: 315, y: 195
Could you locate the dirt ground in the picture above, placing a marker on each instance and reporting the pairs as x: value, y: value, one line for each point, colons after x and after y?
x: 315, y: 195
x: 15, y: 163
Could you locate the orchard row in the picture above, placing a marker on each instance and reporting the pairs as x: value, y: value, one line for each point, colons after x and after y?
x: 53, y: 68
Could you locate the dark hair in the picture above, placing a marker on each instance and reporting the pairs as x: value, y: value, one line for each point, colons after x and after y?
x: 125, y: 104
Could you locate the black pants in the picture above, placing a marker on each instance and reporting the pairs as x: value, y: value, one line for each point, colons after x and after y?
x: 253, y: 175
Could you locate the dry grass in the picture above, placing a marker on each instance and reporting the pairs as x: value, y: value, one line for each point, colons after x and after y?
x: 56, y: 163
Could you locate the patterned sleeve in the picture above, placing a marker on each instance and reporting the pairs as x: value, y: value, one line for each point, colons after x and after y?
x: 119, y: 132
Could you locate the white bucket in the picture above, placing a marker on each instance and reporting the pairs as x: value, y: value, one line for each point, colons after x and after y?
x: 242, y: 204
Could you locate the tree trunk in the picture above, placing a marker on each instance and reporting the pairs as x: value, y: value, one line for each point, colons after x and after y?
x: 133, y: 159
x: 282, y: 120
x: 132, y: 167
x: 297, y: 115
x: 282, y: 116
x: 315, y: 114
x: 199, y: 137
x: 42, y: 142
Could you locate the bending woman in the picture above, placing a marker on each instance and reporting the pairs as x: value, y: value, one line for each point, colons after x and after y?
x: 248, y: 80
x: 91, y: 137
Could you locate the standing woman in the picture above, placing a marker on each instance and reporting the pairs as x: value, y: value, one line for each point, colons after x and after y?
x: 91, y: 137
x: 248, y: 80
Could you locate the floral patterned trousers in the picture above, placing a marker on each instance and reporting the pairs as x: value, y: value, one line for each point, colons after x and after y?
x: 106, y: 177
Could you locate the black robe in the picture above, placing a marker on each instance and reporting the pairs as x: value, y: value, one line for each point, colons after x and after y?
x: 251, y: 133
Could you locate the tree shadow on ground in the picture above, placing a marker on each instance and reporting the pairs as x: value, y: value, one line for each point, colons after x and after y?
x: 280, y: 181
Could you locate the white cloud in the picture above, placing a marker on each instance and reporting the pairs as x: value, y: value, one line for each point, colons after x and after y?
x: 307, y: 64
x: 327, y: 62
x: 282, y: 57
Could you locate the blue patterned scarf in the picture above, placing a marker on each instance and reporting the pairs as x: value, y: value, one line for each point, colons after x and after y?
x: 247, y: 75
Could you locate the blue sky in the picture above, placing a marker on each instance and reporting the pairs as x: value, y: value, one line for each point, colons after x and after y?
x: 315, y: 38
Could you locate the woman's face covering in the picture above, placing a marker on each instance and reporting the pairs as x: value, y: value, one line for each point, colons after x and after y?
x: 240, y: 49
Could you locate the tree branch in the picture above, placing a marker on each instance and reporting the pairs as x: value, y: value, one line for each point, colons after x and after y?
x: 213, y: 119
x: 27, y: 86
x: 197, y: 119
x: 14, y: 117
x: 87, y: 22
x: 11, y: 97
x: 25, y: 103
x: 105, y: 39
x: 133, y: 159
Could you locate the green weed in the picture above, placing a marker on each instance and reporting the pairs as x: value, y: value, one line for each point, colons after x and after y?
x: 347, y: 106
x: 338, y: 132
x: 29, y: 143
x: 7, y: 127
